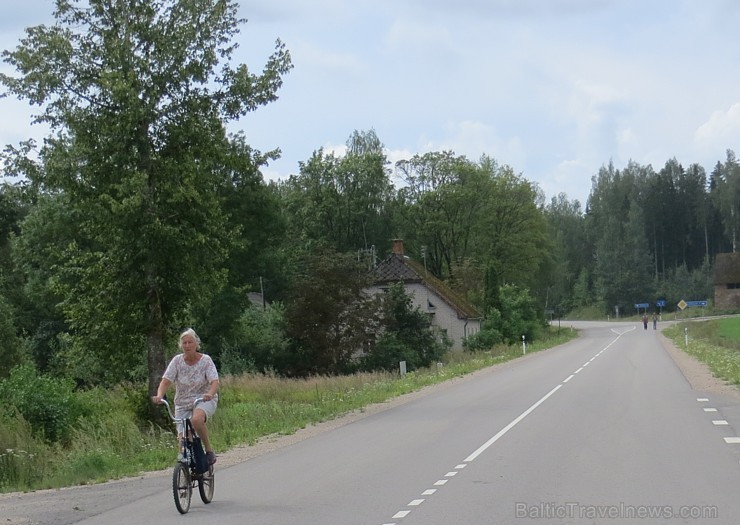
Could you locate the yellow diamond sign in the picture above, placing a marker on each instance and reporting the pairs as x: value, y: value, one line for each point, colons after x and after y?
x: 682, y: 304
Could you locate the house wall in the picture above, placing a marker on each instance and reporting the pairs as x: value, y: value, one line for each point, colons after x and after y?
x: 726, y: 298
x: 442, y: 315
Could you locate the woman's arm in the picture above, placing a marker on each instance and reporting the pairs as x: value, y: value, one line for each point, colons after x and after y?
x: 212, y: 390
x: 164, y: 385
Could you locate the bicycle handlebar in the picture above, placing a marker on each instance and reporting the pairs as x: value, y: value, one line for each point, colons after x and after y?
x: 172, y: 413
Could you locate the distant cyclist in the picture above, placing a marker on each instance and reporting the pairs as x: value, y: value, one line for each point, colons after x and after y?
x: 194, y: 375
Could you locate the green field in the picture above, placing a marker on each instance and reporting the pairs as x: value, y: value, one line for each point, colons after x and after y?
x: 729, y: 329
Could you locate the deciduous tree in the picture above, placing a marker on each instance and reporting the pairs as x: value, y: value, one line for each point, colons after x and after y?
x: 137, y: 95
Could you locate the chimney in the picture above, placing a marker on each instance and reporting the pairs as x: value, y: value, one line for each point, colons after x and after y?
x: 398, y: 246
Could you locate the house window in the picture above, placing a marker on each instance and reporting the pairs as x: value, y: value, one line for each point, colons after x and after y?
x: 430, y: 305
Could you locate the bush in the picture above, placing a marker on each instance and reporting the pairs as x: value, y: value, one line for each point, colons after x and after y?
x: 517, y: 317
x: 46, y: 403
x: 258, y: 341
x: 484, y: 340
x: 406, y: 336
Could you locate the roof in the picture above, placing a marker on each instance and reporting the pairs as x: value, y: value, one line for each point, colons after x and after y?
x: 399, y: 268
x: 727, y: 268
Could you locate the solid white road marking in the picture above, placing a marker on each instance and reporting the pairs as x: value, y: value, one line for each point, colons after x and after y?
x: 511, y: 425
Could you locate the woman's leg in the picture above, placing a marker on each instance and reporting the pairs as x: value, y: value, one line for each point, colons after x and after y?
x: 199, y: 423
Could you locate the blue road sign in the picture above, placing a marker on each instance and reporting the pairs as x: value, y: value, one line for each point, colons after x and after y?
x: 660, y: 302
x: 642, y: 305
x: 695, y: 303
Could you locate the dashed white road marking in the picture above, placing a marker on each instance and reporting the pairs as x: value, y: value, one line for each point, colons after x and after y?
x: 702, y: 399
x: 720, y: 422
x: 710, y: 410
x: 428, y: 492
x: 571, y: 376
x: 415, y: 503
x: 401, y: 514
x: 440, y: 482
x: 732, y: 440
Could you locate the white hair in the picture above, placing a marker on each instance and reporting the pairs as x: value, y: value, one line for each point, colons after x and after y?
x: 189, y: 332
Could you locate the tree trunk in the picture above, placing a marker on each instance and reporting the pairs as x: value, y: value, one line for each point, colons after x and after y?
x: 156, y: 362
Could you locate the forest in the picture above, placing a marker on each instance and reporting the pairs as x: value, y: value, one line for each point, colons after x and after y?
x: 140, y: 215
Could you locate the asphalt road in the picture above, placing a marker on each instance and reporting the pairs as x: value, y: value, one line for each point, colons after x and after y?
x: 605, y: 429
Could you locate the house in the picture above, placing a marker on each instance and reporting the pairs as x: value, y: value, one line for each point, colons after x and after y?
x: 449, y: 313
x: 727, y: 281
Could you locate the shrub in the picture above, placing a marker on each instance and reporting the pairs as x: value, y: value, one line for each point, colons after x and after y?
x: 46, y: 403
x: 484, y: 340
x: 406, y: 336
x: 258, y: 340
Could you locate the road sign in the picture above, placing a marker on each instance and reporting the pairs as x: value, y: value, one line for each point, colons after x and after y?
x: 660, y: 302
x: 642, y: 305
x: 682, y: 304
x: 696, y: 303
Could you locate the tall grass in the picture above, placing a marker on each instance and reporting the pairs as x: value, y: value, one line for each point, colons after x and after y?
x: 111, y: 439
x: 715, y: 343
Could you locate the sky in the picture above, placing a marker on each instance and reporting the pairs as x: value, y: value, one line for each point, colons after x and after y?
x: 555, y: 89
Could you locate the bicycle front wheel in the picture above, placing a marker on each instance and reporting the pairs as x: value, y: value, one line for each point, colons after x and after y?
x: 206, y: 485
x: 181, y: 487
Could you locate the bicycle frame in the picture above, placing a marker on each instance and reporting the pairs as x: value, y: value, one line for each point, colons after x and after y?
x: 185, y: 475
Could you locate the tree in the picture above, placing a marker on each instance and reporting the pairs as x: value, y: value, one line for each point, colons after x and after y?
x: 405, y: 335
x: 137, y: 95
x: 343, y: 201
x: 727, y: 198
x: 328, y: 316
x: 571, y: 252
x: 442, y: 198
x: 623, y: 261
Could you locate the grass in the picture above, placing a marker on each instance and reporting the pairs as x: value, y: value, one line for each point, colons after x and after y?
x: 715, y: 342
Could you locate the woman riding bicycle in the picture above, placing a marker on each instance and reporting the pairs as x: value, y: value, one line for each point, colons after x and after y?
x: 195, y: 376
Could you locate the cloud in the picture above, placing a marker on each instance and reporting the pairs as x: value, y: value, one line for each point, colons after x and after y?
x: 722, y: 127
x: 313, y: 57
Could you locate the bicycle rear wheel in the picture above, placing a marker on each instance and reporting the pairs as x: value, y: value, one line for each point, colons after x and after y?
x: 206, y: 485
x: 182, y: 490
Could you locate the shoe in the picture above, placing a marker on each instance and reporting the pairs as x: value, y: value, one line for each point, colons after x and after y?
x: 211, y: 457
